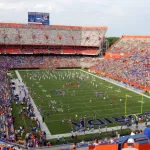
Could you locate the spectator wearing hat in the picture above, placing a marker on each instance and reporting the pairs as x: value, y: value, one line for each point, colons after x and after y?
x: 131, y: 145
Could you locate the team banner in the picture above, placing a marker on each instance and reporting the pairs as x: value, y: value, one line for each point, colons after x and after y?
x: 38, y: 18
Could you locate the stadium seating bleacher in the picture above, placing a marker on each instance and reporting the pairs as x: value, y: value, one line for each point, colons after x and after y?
x: 130, y: 58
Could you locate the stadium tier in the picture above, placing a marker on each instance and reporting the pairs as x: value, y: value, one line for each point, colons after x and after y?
x: 33, y: 61
x: 130, y: 45
x: 56, y: 39
x: 130, y: 57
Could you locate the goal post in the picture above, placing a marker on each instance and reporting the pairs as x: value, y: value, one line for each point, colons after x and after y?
x: 141, y: 107
x: 142, y: 102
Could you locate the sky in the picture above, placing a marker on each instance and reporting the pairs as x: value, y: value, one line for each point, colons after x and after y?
x: 122, y: 17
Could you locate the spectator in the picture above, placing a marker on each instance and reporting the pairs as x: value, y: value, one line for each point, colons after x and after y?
x: 96, y: 142
x: 131, y: 145
x: 74, y: 146
x: 132, y: 133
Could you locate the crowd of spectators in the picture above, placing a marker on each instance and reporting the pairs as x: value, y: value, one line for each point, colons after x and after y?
x: 35, y: 137
x: 105, y: 141
x: 134, y: 68
x: 33, y: 61
x: 96, y: 141
x: 34, y: 134
x: 132, y: 45
x: 6, y: 118
x: 6, y: 146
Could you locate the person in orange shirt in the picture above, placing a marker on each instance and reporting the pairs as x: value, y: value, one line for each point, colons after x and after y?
x: 11, y: 148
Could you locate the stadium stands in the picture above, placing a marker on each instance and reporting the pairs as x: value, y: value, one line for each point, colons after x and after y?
x: 128, y: 60
x: 54, y: 35
x: 132, y: 45
x: 6, y: 118
x: 31, y: 61
x: 130, y: 57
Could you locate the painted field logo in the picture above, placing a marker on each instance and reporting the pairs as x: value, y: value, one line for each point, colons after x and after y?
x: 99, y: 122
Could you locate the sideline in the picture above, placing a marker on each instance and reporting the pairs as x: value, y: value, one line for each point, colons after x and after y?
x: 115, y: 83
x: 42, y: 124
x: 97, y: 131
x: 16, y: 91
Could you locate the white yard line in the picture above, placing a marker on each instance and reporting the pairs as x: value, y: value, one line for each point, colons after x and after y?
x: 86, y: 112
x: 115, y: 84
x: 96, y: 106
x: 46, y: 69
x: 42, y: 124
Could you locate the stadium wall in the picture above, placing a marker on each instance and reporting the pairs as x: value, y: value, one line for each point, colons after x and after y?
x: 54, y: 35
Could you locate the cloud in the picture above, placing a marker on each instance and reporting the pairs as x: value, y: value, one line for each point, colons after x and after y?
x: 45, y: 5
x: 121, y: 16
x: 39, y: 5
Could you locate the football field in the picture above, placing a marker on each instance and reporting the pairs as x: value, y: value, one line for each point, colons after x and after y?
x: 65, y: 97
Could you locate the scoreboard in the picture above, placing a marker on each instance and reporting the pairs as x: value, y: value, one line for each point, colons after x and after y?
x: 38, y: 18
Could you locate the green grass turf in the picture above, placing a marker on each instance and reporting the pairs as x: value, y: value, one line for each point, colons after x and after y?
x: 79, y: 104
